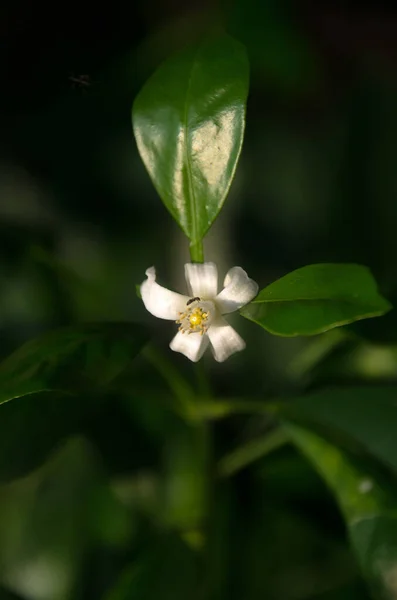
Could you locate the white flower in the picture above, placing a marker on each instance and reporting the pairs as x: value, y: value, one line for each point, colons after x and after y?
x: 199, y: 315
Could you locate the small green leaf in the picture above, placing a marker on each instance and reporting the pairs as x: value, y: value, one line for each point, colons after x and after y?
x: 317, y: 298
x: 368, y: 502
x: 363, y: 417
x: 189, y: 122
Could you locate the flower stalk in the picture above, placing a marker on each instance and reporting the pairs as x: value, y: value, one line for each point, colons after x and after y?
x: 196, y: 252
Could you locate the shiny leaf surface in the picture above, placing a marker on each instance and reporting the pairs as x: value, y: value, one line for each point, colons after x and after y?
x: 188, y: 122
x: 317, y: 298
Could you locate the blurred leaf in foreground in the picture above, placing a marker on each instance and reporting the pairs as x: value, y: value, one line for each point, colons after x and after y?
x: 368, y: 502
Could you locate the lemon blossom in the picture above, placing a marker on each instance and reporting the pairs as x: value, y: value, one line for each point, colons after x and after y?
x: 199, y: 315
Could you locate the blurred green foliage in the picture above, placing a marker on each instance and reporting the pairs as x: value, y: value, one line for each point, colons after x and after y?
x: 114, y: 496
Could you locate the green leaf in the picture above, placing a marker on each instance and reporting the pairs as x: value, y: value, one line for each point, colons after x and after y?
x: 8, y: 595
x: 317, y: 298
x: 59, y: 380
x: 363, y: 418
x: 189, y: 122
x: 74, y: 358
x: 368, y: 503
x: 44, y: 517
x: 168, y: 571
x: 350, y: 591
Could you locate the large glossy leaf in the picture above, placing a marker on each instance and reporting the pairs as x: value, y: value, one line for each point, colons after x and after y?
x: 363, y: 418
x: 58, y: 381
x: 317, y: 298
x: 189, y: 123
x: 368, y: 503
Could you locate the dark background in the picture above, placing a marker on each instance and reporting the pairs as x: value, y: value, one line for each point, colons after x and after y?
x: 80, y: 223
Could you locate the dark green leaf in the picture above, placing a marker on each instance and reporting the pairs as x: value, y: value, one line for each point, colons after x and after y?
x: 351, y: 591
x: 317, y: 298
x: 167, y: 571
x: 368, y: 503
x: 189, y: 123
x: 59, y: 380
x: 8, y: 595
x: 74, y: 358
x: 364, y: 418
x: 31, y: 427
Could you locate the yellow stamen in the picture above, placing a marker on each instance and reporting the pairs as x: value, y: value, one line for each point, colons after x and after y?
x: 193, y: 320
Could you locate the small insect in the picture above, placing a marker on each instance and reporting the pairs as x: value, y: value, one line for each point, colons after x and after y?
x: 192, y: 300
x: 81, y: 81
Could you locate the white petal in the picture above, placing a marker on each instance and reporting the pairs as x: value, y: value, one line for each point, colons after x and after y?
x: 202, y: 280
x: 225, y: 340
x: 239, y: 290
x: 159, y: 301
x: 192, y: 345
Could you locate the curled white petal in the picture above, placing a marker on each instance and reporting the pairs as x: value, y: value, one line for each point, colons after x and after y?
x: 202, y: 279
x: 239, y: 290
x: 224, y: 339
x: 192, y: 346
x: 159, y: 301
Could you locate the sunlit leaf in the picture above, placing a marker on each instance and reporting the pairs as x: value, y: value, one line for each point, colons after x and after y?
x: 189, y: 123
x: 317, y: 298
x: 368, y: 502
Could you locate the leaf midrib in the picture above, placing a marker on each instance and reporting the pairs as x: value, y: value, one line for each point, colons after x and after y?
x: 192, y: 197
x: 321, y: 299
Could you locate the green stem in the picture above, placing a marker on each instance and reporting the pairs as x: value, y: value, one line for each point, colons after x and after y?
x: 183, y: 393
x: 197, y: 252
x: 204, y: 393
x: 222, y: 408
x: 253, y: 450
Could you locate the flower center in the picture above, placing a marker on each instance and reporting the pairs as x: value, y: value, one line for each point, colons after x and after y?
x: 197, y: 316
